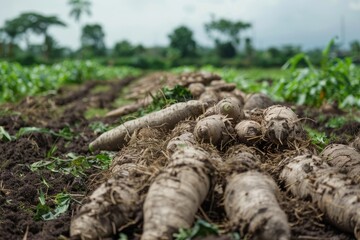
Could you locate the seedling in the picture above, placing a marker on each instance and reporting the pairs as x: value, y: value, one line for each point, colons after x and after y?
x: 4, y: 135
x: 200, y: 229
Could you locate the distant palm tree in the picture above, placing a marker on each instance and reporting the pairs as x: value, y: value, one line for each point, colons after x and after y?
x: 78, y: 8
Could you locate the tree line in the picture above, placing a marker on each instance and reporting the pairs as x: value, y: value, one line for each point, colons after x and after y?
x: 229, y: 47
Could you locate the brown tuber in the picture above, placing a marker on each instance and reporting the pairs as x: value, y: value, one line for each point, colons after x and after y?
x: 250, y: 197
x: 176, y: 194
x: 163, y: 119
x: 281, y: 125
x: 345, y: 158
x: 248, y: 131
x: 307, y: 176
x: 215, y: 129
x: 257, y: 100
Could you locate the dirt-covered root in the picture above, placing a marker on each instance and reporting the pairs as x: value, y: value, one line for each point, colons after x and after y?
x: 210, y: 97
x: 176, y: 194
x: 112, y: 205
x: 309, y: 177
x: 257, y: 100
x: 228, y: 107
x: 356, y: 143
x: 240, y: 158
x: 130, y: 108
x: 186, y: 79
x: 248, y: 131
x: 141, y: 88
x: 281, y: 125
x: 222, y: 86
x: 184, y: 140
x: 345, y: 158
x: 163, y: 119
x: 215, y: 129
x: 196, y: 89
x: 251, y: 205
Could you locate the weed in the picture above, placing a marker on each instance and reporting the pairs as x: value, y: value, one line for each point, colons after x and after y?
x: 336, y: 81
x: 319, y: 139
x: 44, y: 212
x: 200, y: 229
x: 73, y: 164
x: 166, y: 97
x: 65, y: 133
x: 4, y: 135
x: 99, y: 127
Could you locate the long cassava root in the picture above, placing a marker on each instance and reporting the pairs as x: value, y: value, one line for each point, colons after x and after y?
x: 250, y: 198
x: 165, y: 119
x: 112, y: 205
x: 308, y: 176
x: 176, y: 194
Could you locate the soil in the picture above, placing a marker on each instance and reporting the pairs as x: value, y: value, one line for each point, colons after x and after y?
x: 20, y: 187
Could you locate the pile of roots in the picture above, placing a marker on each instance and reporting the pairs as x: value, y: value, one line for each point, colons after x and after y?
x: 229, y: 157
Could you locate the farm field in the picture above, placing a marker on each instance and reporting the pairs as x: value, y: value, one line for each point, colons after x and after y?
x: 47, y: 171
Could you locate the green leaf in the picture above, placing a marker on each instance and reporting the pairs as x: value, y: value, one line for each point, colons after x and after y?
x: 4, y: 135
x: 200, y: 229
x: 29, y: 130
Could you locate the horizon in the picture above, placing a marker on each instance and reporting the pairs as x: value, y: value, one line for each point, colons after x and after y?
x: 274, y: 22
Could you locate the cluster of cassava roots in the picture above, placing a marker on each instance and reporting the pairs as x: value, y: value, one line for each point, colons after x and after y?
x: 172, y: 161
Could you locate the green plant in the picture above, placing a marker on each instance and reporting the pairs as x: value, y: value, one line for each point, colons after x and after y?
x: 65, y: 133
x: 73, y: 164
x: 4, y: 135
x: 99, y: 127
x: 319, y: 139
x: 44, y: 212
x: 17, y: 81
x: 166, y: 97
x: 337, y: 80
x: 336, y: 122
x: 200, y: 229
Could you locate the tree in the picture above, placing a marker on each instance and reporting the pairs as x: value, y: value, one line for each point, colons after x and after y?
x: 249, y: 49
x: 355, y: 48
x: 92, y: 39
x: 182, y: 40
x: 124, y: 49
x: 39, y: 24
x: 226, y: 35
x: 13, y: 29
x: 78, y: 8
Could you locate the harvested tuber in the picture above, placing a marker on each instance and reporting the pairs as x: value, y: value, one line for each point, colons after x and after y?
x: 250, y: 198
x: 248, y: 131
x: 281, y: 125
x: 112, y: 205
x: 356, y: 143
x: 214, y: 129
x: 176, y: 194
x: 345, y: 158
x: 184, y: 140
x: 308, y: 176
x: 196, y: 89
x: 130, y: 108
x: 257, y: 100
x: 163, y: 119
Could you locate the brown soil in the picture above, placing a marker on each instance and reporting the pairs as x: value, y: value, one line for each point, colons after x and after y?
x: 20, y: 187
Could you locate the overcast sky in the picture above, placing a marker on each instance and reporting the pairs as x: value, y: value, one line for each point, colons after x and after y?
x: 309, y: 23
